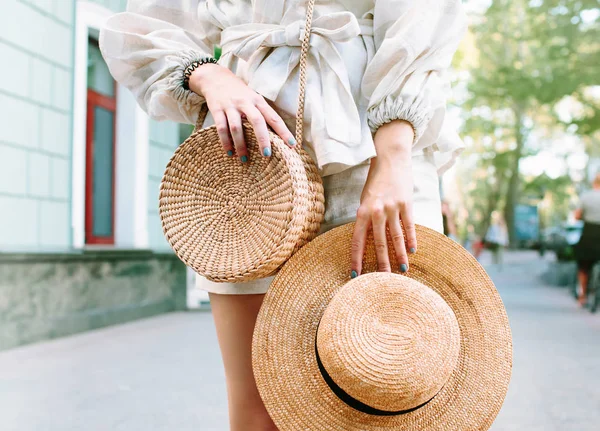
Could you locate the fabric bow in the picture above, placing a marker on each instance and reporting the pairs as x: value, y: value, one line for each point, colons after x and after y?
x: 269, y: 70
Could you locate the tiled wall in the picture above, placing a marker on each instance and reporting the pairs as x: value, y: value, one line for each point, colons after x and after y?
x: 115, y: 5
x: 36, y: 48
x: 164, y: 138
x: 36, y: 80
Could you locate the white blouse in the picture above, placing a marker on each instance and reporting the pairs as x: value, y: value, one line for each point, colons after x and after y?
x: 370, y: 62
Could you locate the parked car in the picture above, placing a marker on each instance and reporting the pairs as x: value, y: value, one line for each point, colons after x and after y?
x: 561, y: 239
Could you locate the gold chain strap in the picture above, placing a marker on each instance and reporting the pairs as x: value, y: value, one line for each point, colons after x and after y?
x: 301, y: 96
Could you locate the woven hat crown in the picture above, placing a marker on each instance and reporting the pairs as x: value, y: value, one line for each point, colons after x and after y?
x: 388, y: 341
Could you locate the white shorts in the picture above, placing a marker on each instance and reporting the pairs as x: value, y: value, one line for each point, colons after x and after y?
x: 342, y: 198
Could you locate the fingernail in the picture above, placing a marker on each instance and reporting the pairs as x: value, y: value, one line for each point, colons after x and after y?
x: 412, y: 250
x: 267, y: 152
x: 353, y: 274
x: 244, y: 159
x: 403, y: 267
x: 230, y: 153
x: 292, y: 142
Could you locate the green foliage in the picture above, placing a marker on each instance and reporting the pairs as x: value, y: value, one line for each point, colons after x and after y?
x: 535, y: 52
x: 217, y: 52
x: 527, y: 56
x: 555, y: 195
x: 589, y: 123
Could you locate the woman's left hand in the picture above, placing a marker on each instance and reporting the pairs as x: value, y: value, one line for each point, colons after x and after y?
x: 387, y: 200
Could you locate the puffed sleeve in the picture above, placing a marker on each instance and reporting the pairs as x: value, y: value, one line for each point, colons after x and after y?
x: 414, y: 45
x: 148, y: 47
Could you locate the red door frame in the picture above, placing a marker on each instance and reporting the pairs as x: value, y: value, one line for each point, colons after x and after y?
x: 110, y: 104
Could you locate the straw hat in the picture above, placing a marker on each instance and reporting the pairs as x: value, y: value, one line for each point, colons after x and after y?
x: 428, y: 351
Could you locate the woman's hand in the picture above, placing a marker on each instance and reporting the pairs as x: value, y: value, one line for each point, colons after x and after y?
x: 387, y: 199
x: 229, y: 100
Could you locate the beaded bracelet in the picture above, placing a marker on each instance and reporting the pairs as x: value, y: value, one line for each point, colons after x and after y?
x: 193, y: 66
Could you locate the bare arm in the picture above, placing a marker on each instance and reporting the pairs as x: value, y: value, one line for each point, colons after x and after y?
x: 387, y: 199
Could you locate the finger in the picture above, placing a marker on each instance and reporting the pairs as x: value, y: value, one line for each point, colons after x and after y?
x: 260, y: 129
x: 398, y: 241
x: 359, y: 238
x: 380, y: 240
x: 237, y: 133
x: 223, y: 131
x: 406, y: 213
x: 276, y: 122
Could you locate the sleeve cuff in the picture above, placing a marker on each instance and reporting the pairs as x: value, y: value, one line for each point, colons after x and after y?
x: 390, y: 109
x: 187, y: 99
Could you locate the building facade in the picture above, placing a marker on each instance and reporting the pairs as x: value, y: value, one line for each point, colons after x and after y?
x: 80, y: 167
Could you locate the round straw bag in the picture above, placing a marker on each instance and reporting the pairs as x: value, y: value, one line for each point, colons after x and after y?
x: 233, y: 221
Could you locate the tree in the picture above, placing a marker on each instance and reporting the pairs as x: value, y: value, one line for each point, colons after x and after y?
x: 556, y: 193
x: 530, y: 55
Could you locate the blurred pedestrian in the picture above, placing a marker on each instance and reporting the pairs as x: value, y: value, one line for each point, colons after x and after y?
x: 478, y: 247
x: 448, y: 221
x: 496, y: 239
x: 587, y: 251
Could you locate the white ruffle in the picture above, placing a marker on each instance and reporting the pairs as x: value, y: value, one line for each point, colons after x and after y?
x: 418, y: 114
x: 187, y: 99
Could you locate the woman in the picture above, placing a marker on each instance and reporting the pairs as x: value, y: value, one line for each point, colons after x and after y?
x: 374, y: 117
x: 587, y: 251
x: 496, y: 239
x: 448, y: 221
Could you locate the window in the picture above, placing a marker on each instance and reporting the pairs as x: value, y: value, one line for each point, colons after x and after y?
x: 100, y: 150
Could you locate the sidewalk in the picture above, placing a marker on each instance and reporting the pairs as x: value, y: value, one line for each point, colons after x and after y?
x: 556, y: 369
x: 164, y: 373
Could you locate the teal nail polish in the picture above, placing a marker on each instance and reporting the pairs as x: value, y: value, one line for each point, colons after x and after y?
x: 354, y: 274
x: 244, y: 159
x: 403, y: 267
x: 412, y: 250
x: 267, y: 152
x: 230, y: 153
x: 292, y: 142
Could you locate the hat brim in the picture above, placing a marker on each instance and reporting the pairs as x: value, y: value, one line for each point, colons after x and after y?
x: 283, y: 353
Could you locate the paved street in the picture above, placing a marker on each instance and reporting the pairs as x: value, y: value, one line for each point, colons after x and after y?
x: 164, y: 373
x: 556, y: 375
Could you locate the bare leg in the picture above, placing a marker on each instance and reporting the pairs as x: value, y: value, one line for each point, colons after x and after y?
x: 500, y: 257
x: 496, y: 256
x: 583, y: 282
x: 235, y: 317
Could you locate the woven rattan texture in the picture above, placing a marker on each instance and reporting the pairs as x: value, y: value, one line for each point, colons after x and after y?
x: 389, y: 341
x: 234, y: 222
x: 284, y: 359
x: 316, y: 194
